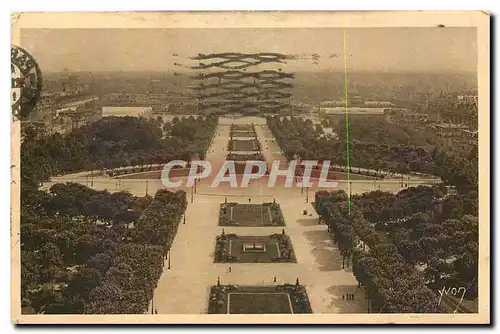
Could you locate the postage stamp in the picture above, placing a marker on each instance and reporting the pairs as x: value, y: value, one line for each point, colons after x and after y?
x: 251, y: 167
x: 26, y: 82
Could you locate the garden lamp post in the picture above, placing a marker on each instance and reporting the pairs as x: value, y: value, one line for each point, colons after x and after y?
x: 169, y: 255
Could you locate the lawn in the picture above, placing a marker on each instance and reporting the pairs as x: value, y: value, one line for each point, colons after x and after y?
x: 259, y: 303
x: 243, y: 145
x: 242, y: 127
x: 242, y: 134
x: 265, y: 214
x: 278, y: 299
x: 275, y: 248
x: 257, y: 156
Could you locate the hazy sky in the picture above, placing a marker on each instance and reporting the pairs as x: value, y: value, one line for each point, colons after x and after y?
x: 370, y: 49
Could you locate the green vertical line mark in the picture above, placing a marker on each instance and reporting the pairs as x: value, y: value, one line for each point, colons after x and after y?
x: 346, y: 103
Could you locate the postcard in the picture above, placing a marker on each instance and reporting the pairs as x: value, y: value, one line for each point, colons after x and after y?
x: 250, y: 167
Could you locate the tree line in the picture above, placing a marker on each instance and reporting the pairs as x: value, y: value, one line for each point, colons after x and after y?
x: 89, y: 251
x: 388, y: 238
x: 94, y: 252
x: 114, y: 142
x: 374, y: 144
x: 450, y: 108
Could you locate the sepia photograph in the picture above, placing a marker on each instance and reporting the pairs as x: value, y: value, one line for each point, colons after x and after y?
x: 250, y: 167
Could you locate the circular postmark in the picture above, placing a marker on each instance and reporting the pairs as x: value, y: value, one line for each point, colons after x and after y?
x: 26, y: 82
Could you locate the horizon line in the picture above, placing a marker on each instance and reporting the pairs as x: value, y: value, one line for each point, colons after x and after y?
x: 168, y: 71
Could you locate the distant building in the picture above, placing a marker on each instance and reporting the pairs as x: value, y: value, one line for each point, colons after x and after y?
x: 401, y: 115
x: 125, y: 111
x: 456, y: 136
x: 449, y: 129
x: 351, y: 111
x: 470, y: 137
x: 47, y: 106
x: 65, y: 111
x: 87, y: 102
x: 332, y: 104
x: 70, y: 119
x: 356, y: 101
x: 75, y: 114
x: 468, y: 98
x: 379, y: 104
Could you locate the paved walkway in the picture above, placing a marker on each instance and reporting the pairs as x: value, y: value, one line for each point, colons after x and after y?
x: 184, y: 288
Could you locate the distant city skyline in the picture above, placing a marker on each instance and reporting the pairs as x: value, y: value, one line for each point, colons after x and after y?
x: 156, y: 50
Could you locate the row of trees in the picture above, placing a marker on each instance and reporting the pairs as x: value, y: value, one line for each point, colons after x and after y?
x: 390, y: 236
x: 392, y: 286
x: 88, y: 251
x: 450, y: 108
x: 436, y: 231
x: 114, y: 142
x: 375, y: 144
